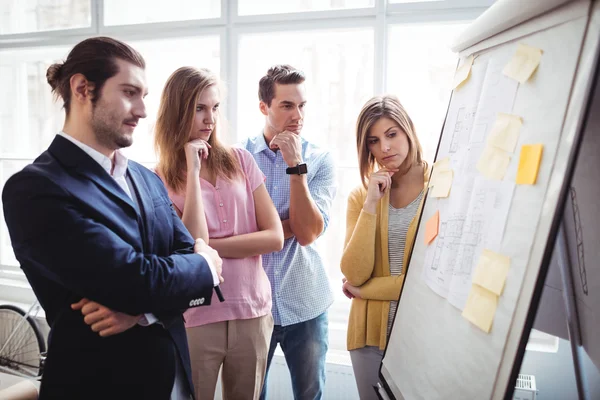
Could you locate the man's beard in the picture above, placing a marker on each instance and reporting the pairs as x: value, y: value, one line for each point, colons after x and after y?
x: 106, y: 127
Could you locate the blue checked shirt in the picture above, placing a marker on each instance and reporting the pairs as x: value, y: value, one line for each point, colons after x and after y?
x: 299, y: 282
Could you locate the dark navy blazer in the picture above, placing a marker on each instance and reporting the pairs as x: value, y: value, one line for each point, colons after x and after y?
x: 77, y: 234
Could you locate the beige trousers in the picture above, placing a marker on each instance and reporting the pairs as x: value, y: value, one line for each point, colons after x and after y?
x: 240, y: 347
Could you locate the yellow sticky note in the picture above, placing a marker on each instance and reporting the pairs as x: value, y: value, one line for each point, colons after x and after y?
x: 529, y: 163
x: 493, y: 163
x: 442, y: 164
x: 505, y: 132
x: 462, y: 72
x: 439, y: 166
x: 442, y: 183
x: 523, y: 63
x: 481, y: 308
x: 431, y: 227
x: 491, y: 271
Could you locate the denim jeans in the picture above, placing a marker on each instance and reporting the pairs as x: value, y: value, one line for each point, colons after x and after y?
x: 304, y: 346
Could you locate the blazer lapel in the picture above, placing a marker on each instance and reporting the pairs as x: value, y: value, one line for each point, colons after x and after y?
x: 73, y: 157
x: 145, y: 200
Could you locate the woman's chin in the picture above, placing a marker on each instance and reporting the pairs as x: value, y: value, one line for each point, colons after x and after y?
x: 391, y: 164
x: 201, y: 136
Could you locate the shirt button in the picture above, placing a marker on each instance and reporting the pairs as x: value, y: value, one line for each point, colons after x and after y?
x: 220, y: 204
x: 224, y: 220
x: 216, y: 187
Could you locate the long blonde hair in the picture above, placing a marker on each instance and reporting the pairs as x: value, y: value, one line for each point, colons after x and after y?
x: 379, y: 107
x: 174, y: 126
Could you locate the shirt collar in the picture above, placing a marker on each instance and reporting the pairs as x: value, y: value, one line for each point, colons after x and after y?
x: 260, y: 144
x: 120, y: 160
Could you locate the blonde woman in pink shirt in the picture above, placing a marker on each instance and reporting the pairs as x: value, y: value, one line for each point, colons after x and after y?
x: 219, y: 193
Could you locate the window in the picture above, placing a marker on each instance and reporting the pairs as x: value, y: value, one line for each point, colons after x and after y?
x: 339, y: 79
x: 29, y: 118
x: 117, y: 12
x: 21, y: 16
x: 253, y: 7
x: 420, y: 71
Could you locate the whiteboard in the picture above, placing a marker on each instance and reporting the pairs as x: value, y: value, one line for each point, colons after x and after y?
x: 433, y: 352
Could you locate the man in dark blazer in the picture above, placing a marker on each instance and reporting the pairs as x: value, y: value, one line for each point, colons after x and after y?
x: 90, y: 227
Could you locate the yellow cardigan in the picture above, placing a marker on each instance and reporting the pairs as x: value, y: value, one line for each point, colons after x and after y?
x: 365, y: 263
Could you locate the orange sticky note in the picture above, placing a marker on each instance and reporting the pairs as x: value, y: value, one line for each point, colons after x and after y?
x: 431, y: 227
x: 529, y: 164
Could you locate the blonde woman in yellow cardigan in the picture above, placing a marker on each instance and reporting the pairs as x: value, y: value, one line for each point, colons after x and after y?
x: 380, y: 229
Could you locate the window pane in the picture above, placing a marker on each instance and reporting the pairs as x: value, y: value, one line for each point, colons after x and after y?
x: 163, y: 57
x: 420, y: 71
x: 21, y: 16
x: 253, y: 7
x: 29, y: 116
x: 339, y: 68
x: 118, y: 12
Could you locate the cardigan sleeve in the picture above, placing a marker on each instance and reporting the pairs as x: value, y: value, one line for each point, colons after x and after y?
x: 358, y: 258
x: 382, y: 288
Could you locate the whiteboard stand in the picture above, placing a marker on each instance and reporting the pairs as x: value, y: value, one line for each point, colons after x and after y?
x: 380, y: 391
x: 564, y: 265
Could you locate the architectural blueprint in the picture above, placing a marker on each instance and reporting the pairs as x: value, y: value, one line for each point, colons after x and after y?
x: 474, y: 215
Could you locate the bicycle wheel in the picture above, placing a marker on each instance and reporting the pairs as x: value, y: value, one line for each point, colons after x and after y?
x: 21, y: 342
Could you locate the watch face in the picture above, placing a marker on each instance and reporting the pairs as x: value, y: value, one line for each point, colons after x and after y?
x: 302, y: 169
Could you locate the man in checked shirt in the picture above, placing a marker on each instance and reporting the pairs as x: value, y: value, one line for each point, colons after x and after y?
x: 301, y: 180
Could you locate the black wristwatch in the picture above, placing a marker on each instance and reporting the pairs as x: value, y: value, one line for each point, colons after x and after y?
x: 297, y: 170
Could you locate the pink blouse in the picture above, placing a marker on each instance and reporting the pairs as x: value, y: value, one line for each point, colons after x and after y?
x: 229, y: 210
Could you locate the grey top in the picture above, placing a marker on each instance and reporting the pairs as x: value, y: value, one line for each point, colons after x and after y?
x: 398, y: 222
